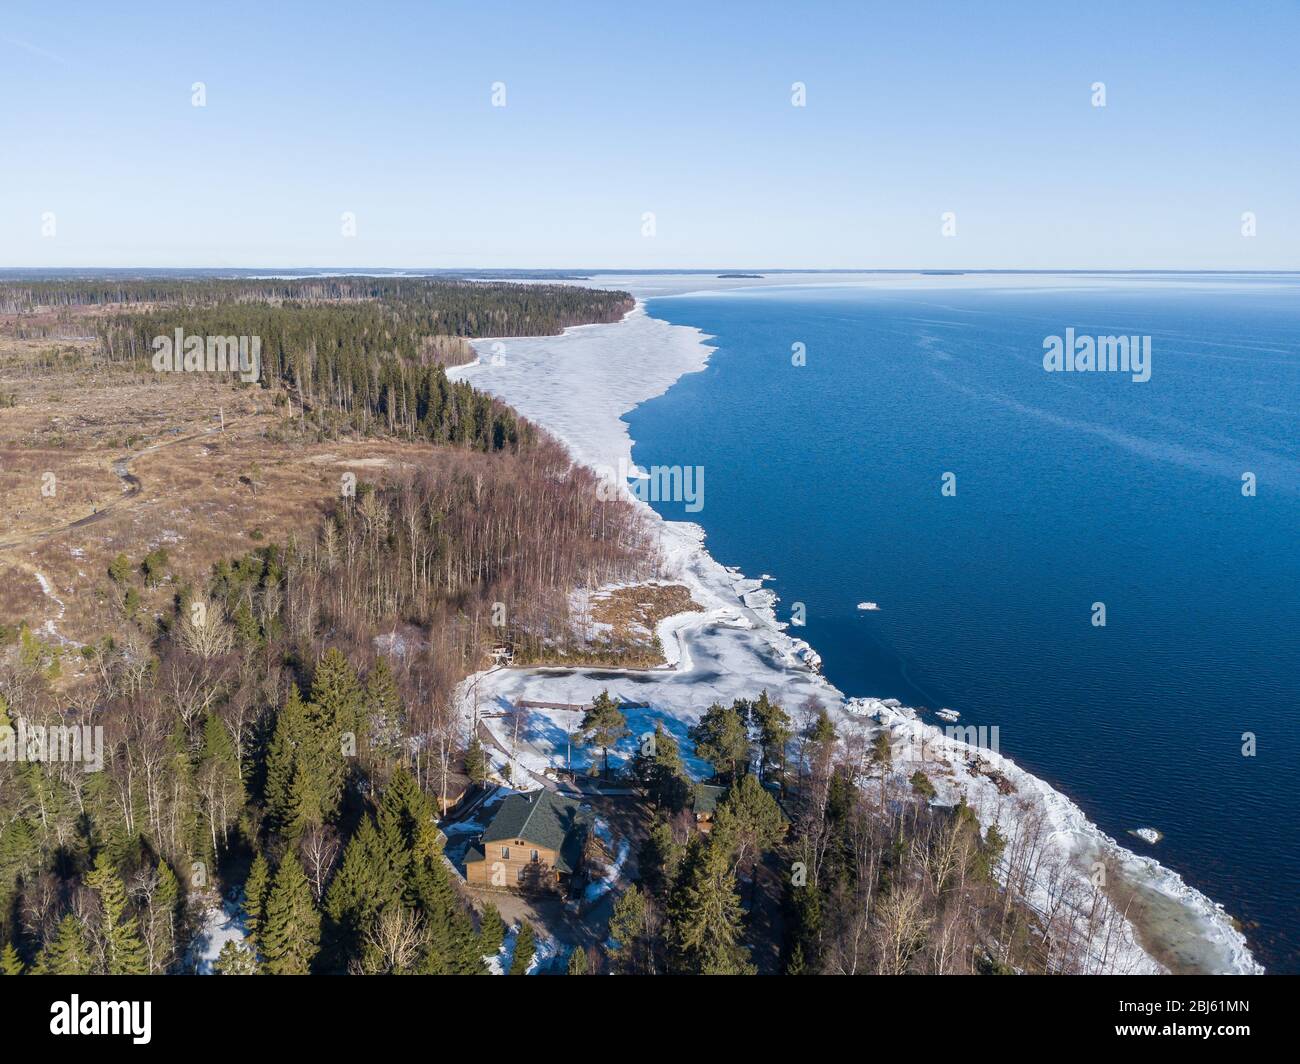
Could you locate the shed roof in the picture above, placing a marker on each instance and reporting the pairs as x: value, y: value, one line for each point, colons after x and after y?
x: 707, y: 796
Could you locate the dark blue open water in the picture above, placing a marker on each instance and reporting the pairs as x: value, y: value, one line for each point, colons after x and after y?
x: 1071, y: 489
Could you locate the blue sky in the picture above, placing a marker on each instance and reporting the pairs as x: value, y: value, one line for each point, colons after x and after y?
x: 384, y: 110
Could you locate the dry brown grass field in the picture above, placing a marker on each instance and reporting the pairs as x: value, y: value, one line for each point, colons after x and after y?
x: 98, y: 459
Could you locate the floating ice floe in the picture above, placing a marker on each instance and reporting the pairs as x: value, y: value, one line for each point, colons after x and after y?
x: 1150, y: 835
x: 867, y: 606
x: 947, y: 714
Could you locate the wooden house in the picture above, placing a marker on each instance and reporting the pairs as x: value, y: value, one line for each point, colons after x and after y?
x: 533, y: 843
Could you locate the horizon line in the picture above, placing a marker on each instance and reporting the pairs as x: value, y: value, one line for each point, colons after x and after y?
x: 603, y: 270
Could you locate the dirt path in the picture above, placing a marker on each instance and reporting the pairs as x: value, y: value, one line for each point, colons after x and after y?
x: 132, y: 489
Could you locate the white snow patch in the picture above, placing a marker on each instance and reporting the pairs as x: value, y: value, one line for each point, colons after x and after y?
x: 217, y: 926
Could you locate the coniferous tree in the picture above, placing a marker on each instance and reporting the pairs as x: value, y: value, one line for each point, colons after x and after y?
x: 882, y: 754
x: 19, y: 857
x: 404, y: 810
x: 578, y: 961
x: 283, y: 756
x: 124, y: 953
x: 256, y: 888
x: 10, y: 962
x: 748, y: 822
x: 720, y: 738
x: 659, y: 768
x: 492, y: 930
x: 659, y: 859
x: 821, y: 730
x: 66, y: 953
x: 158, y: 925
x: 337, y: 710
x: 306, y: 807
x: 236, y: 958
x: 774, y: 731
x: 119, y: 570
x: 451, y: 946
x: 603, y: 725
x: 705, y: 916
x: 290, y: 935
x: 248, y: 633
x: 476, y: 762
x: 180, y: 835
x: 304, y: 765
x: 627, y: 929
x: 383, y: 717
x: 369, y: 878
x: 393, y: 863
x: 525, y: 949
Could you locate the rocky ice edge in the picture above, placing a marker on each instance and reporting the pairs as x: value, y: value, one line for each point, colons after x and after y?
x: 577, y: 386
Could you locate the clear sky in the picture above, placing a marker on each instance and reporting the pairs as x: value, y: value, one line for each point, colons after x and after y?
x: 913, y: 109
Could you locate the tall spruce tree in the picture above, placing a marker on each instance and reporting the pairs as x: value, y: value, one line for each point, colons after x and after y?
x: 370, y: 877
x: 124, y: 952
x: 748, y: 821
x: 492, y: 930
x: 627, y: 930
x: 20, y: 856
x: 336, y: 711
x: 10, y: 962
x: 659, y: 858
x: 283, y: 756
x: 383, y: 718
x: 404, y: 810
x: 290, y: 936
x: 774, y: 732
x: 304, y: 763
x: 665, y: 774
x: 476, y: 762
x: 705, y: 916
x: 451, y: 945
x: 66, y: 953
x: 158, y: 928
x: 256, y: 888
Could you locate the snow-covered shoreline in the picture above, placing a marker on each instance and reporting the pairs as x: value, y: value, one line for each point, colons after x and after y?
x: 578, y: 386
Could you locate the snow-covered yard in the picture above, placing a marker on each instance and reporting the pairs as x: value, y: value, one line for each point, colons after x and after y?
x: 550, y: 738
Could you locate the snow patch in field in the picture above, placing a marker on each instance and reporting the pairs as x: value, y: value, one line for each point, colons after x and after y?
x: 217, y: 926
x: 50, y: 627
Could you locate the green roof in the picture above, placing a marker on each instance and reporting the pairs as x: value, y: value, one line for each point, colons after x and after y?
x: 706, y: 797
x: 542, y: 818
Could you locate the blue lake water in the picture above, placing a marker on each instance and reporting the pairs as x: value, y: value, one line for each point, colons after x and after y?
x: 1071, y: 489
